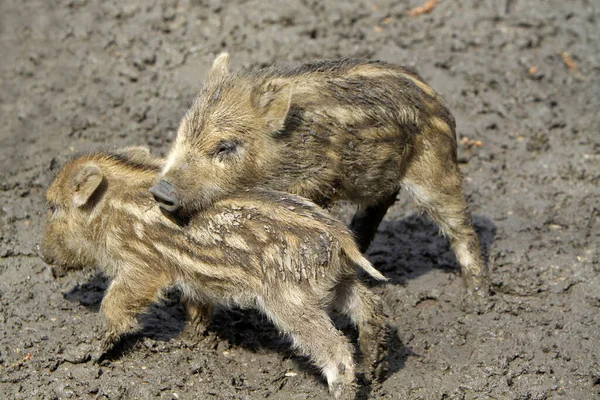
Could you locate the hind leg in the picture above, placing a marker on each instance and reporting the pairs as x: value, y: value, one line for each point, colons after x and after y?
x: 198, y: 318
x: 366, y: 220
x: 435, y: 183
x: 365, y: 310
x: 314, y: 335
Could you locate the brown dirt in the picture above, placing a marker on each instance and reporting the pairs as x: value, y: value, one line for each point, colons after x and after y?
x: 77, y: 74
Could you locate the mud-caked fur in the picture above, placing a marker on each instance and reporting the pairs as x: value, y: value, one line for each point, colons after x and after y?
x: 262, y: 249
x: 346, y: 130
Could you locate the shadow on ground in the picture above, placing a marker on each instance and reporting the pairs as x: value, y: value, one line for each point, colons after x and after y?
x: 412, y: 246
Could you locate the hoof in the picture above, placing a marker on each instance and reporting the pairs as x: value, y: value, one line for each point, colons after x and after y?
x: 477, y: 284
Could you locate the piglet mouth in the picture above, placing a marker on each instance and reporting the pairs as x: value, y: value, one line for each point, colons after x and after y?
x: 166, y: 205
x: 58, y: 271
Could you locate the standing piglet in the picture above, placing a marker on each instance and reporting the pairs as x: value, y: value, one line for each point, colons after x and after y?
x: 347, y: 130
x: 259, y: 249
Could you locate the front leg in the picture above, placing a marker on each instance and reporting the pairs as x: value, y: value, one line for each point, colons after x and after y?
x: 122, y: 303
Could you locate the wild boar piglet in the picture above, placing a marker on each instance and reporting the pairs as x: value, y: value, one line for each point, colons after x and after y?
x: 261, y: 249
x: 343, y: 130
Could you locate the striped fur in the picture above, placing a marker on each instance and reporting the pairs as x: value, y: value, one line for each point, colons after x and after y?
x: 263, y: 249
x: 341, y: 130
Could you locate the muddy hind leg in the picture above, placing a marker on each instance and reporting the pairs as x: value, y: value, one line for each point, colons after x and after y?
x: 199, y: 316
x: 436, y: 187
x: 365, y: 310
x: 366, y: 220
x: 313, y: 334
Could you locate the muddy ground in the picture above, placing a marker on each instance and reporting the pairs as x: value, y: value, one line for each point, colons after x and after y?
x: 78, y: 74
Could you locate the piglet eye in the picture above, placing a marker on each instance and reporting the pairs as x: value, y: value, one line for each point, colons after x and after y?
x: 52, y: 209
x: 224, y: 149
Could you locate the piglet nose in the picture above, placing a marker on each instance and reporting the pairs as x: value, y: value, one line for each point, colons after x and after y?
x: 38, y: 251
x: 164, y: 194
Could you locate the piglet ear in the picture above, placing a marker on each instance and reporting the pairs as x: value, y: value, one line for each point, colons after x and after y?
x: 136, y: 151
x: 273, y: 101
x: 142, y: 155
x: 87, y: 180
x: 220, y: 66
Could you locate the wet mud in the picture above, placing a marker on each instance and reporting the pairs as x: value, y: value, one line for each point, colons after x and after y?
x: 522, y: 79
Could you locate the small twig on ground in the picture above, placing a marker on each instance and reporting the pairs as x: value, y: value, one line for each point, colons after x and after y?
x: 568, y: 60
x: 470, y: 143
x: 424, y: 9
